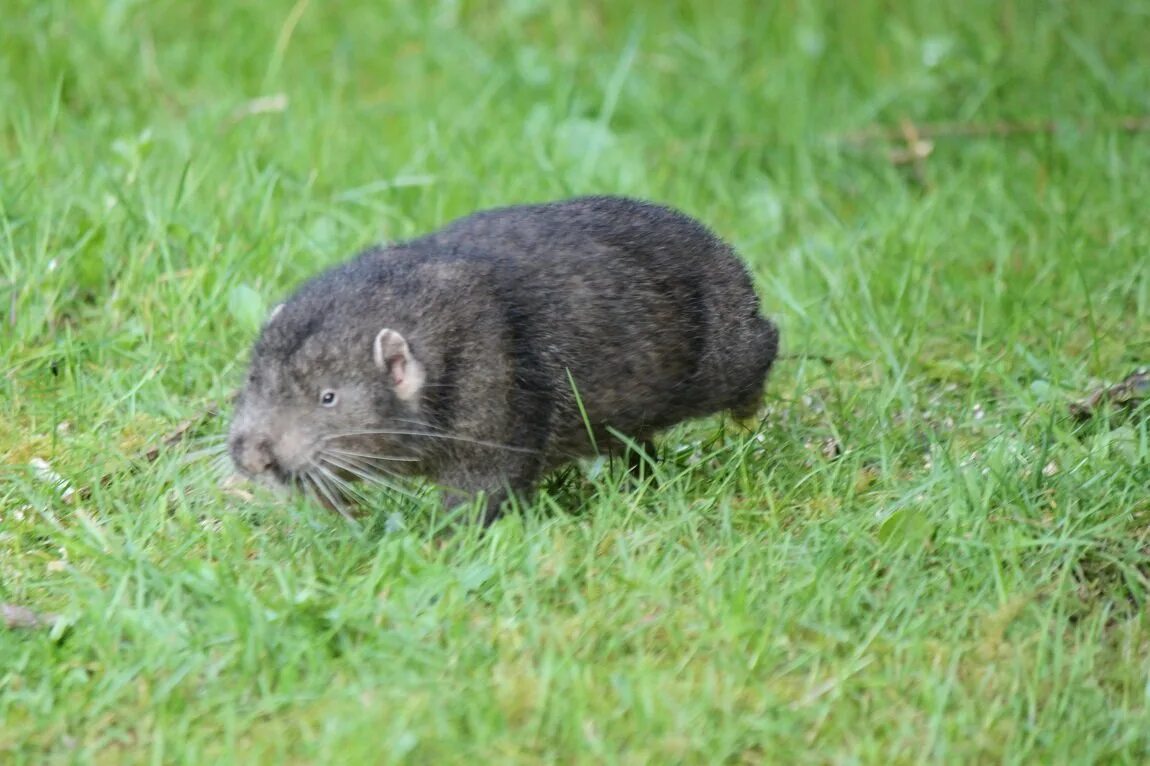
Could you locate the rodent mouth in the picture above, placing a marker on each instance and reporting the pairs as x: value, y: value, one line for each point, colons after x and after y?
x: 274, y: 478
x: 272, y: 475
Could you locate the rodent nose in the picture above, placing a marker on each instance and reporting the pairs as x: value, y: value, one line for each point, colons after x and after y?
x: 253, y: 455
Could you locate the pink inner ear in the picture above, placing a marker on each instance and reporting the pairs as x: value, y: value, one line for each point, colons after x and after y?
x: 397, y: 366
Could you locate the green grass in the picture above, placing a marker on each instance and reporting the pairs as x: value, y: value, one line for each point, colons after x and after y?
x: 967, y: 582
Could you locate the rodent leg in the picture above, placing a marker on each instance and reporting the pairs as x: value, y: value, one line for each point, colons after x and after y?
x: 461, y: 487
x: 456, y: 502
x: 748, y: 407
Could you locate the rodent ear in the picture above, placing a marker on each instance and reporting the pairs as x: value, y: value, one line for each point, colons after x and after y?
x: 393, y: 356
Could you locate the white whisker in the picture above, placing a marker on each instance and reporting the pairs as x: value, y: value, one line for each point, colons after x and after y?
x: 368, y: 474
x: 200, y: 454
x: 359, y: 467
x: 222, y: 464
x: 345, y: 486
x: 431, y: 435
x: 319, y: 481
x: 370, y: 456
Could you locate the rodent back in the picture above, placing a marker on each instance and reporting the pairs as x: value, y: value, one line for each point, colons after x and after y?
x: 651, y: 313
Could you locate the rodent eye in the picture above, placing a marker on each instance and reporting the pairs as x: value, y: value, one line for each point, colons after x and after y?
x: 328, y: 398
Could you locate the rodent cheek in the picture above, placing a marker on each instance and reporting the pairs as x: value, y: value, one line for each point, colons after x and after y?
x: 296, y: 447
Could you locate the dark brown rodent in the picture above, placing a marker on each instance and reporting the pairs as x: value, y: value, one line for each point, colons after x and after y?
x: 469, y: 356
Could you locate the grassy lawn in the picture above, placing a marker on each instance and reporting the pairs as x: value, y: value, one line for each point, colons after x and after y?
x: 918, y: 555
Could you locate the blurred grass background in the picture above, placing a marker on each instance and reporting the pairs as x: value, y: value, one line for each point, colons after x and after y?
x: 919, y: 556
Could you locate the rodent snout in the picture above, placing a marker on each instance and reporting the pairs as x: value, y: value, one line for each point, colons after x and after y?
x: 253, y: 454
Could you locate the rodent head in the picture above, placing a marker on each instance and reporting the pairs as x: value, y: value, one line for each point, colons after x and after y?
x: 319, y: 397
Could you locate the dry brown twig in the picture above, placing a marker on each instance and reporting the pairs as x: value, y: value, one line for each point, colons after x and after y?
x: 915, y: 142
x: 180, y: 433
x: 930, y: 131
